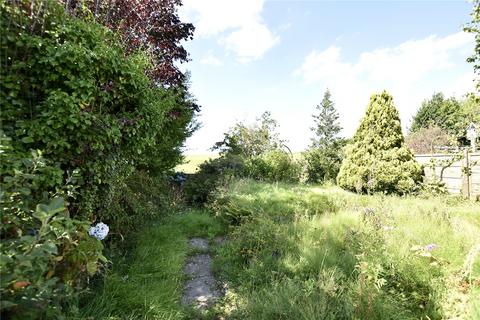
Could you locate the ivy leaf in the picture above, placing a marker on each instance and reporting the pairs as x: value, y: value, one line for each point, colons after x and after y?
x: 56, y: 205
x: 27, y: 139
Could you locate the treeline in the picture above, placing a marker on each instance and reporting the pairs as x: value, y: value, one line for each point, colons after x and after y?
x: 441, y: 122
x: 94, y: 112
x: 377, y: 159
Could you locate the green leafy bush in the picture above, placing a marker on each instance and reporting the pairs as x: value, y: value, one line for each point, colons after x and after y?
x: 254, y: 151
x: 378, y: 160
x: 323, y: 164
x: 44, y: 254
x: 275, y: 165
x: 200, y: 185
x: 251, y: 140
x: 69, y: 90
x: 79, y: 119
x: 142, y: 197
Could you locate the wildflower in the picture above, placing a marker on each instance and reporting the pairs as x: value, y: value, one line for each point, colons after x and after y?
x: 430, y: 247
x: 99, y: 231
x: 371, y: 183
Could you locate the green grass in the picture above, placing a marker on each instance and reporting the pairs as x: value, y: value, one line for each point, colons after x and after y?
x: 192, y: 162
x: 300, y: 252
x: 307, y: 252
x: 148, y: 284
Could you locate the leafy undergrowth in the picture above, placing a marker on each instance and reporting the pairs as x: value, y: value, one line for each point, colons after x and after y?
x: 148, y: 283
x: 298, y: 252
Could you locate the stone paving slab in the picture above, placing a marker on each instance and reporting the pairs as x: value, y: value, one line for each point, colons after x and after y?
x: 201, y: 290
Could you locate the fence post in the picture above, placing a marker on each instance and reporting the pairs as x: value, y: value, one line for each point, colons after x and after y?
x: 465, y: 175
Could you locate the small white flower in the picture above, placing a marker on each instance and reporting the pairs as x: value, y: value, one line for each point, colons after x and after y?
x: 99, y: 231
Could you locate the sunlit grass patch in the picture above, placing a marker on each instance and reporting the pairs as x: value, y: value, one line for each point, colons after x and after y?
x: 301, y: 252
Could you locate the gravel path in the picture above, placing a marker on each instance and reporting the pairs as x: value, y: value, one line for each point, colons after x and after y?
x: 201, y: 290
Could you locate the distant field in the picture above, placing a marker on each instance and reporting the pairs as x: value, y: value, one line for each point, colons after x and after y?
x: 192, y: 161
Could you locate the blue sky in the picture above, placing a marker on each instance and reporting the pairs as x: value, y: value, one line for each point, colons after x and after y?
x: 250, y: 56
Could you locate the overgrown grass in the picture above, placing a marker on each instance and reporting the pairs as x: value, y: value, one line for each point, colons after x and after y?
x: 148, y: 282
x: 307, y: 252
x: 298, y: 252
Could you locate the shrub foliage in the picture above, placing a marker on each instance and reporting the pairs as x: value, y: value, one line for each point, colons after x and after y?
x: 275, y: 165
x: 378, y: 160
x: 79, y: 118
x: 323, y: 164
x: 251, y: 140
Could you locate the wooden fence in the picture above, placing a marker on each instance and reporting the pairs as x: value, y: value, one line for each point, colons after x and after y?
x: 459, y: 172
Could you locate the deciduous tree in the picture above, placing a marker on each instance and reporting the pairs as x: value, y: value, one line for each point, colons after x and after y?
x: 474, y: 28
x: 445, y: 113
x: 251, y: 140
x: 151, y: 25
x: 426, y: 140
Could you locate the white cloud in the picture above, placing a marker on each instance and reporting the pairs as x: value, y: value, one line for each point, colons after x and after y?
x: 237, y: 24
x: 411, y: 72
x: 251, y: 41
x: 211, y: 60
x: 212, y: 17
x: 322, y: 66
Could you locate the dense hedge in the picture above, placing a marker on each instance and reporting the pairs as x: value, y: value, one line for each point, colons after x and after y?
x: 69, y: 90
x: 199, y: 186
x: 79, y: 118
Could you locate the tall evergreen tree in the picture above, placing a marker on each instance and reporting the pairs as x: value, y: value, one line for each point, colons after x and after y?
x: 324, y: 156
x: 327, y: 126
x: 378, y: 160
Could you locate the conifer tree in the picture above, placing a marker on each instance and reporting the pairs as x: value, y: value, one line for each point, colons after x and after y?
x: 324, y: 156
x: 378, y: 159
x: 327, y: 126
